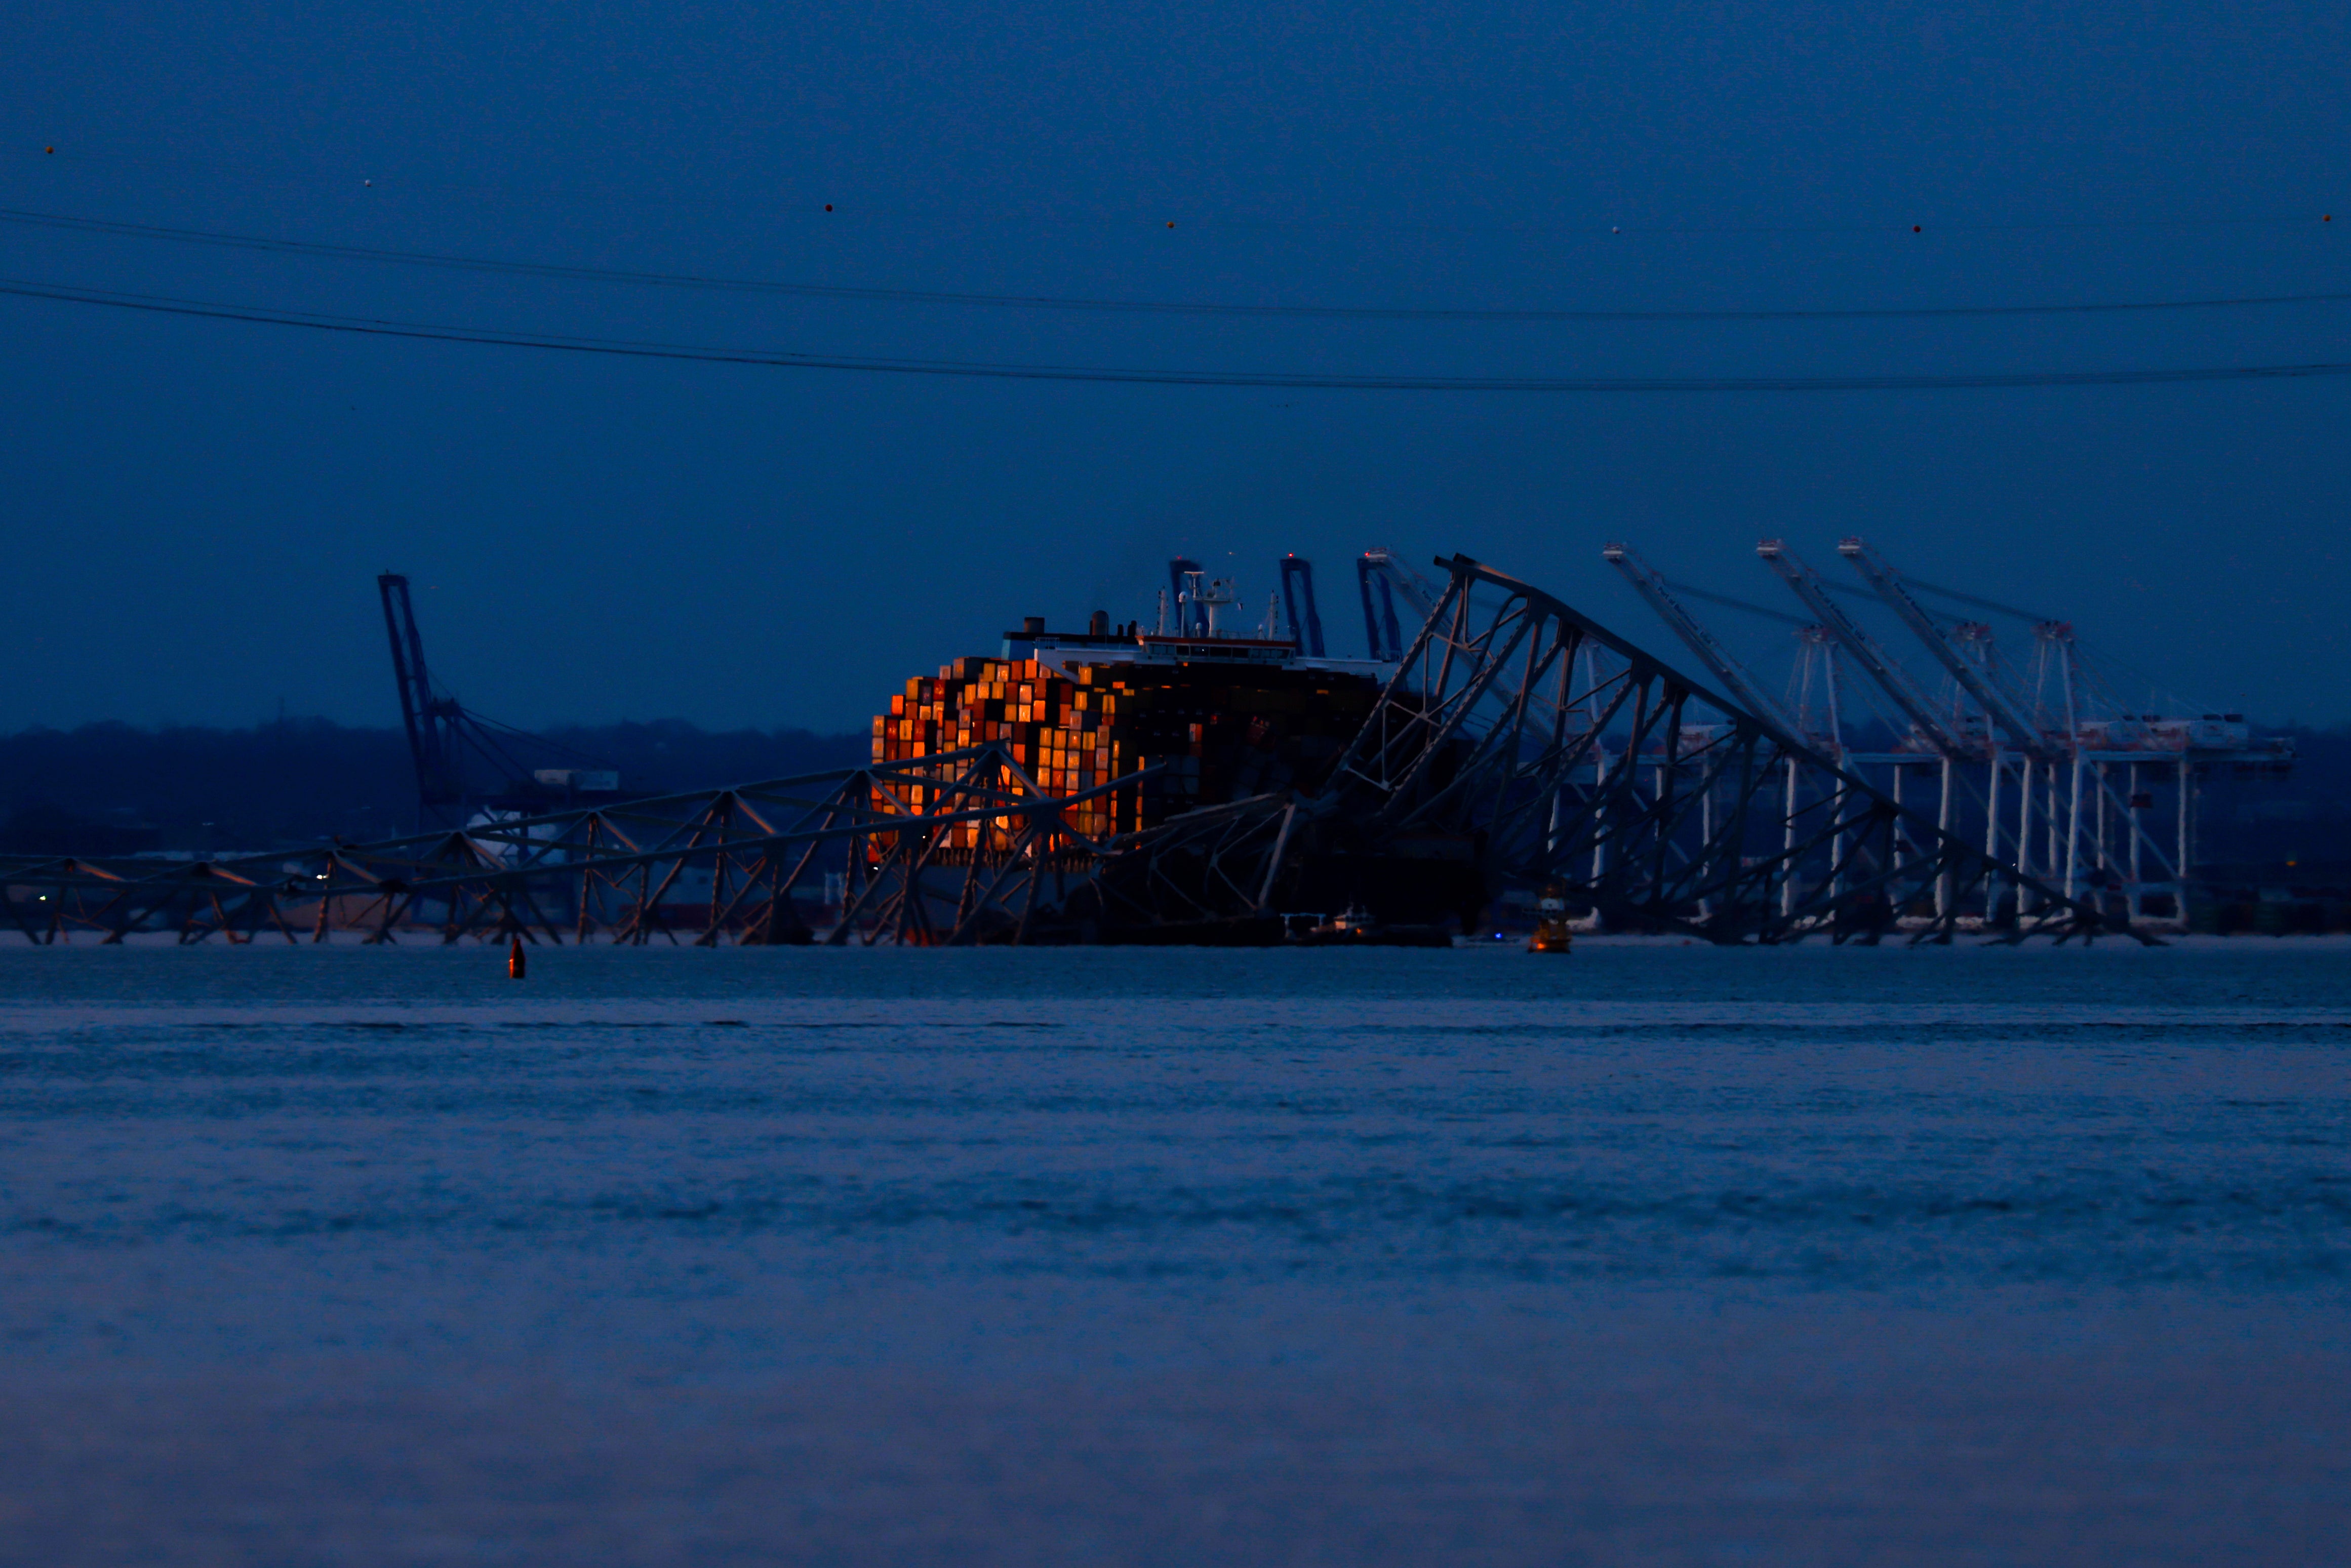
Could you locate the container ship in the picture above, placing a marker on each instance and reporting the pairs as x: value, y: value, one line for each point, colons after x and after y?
x: 1199, y: 715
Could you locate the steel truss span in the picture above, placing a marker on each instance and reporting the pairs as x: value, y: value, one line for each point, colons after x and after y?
x: 1518, y: 747
x: 1569, y: 758
x: 615, y: 871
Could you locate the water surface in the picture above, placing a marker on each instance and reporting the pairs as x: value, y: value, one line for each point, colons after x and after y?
x: 1654, y: 1254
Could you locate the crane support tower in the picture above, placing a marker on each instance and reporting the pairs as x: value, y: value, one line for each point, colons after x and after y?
x: 1298, y: 603
x: 1384, y: 580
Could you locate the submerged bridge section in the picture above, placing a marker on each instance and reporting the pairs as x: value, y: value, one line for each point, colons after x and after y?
x: 1515, y: 747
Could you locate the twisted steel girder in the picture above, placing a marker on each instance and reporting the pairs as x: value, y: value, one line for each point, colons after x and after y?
x: 1521, y: 738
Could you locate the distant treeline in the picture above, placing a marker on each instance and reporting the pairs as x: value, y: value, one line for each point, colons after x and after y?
x: 115, y: 789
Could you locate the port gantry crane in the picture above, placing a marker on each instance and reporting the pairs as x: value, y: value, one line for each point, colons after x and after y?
x: 1978, y: 678
x: 1381, y: 577
x: 1298, y: 601
x: 455, y: 749
x: 2078, y: 836
x: 1977, y: 681
x: 1928, y: 727
x: 1654, y: 592
x: 2041, y: 747
x: 1813, y: 709
x: 2143, y: 746
x: 434, y: 719
x: 1735, y: 678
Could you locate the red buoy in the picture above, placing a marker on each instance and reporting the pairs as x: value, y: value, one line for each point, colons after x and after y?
x: 515, y: 963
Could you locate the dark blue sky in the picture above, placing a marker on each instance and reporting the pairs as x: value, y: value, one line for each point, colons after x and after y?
x: 195, y: 510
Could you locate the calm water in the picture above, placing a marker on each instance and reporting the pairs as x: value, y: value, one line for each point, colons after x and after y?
x: 1655, y: 1254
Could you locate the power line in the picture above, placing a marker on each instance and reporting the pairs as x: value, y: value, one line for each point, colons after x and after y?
x: 1151, y: 213
x: 624, y: 348
x: 1135, y: 306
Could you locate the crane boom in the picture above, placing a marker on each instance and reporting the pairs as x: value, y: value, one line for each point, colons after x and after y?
x: 1976, y: 681
x: 1734, y: 677
x: 432, y: 721
x: 1807, y: 586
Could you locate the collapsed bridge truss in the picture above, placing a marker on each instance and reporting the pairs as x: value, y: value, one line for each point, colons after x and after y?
x: 728, y: 865
x: 1518, y: 745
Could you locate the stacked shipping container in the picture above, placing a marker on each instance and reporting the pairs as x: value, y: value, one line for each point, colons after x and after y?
x: 1225, y: 730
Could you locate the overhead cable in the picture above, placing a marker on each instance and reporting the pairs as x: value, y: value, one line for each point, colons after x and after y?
x: 1150, y: 214
x: 1134, y: 307
x: 624, y: 348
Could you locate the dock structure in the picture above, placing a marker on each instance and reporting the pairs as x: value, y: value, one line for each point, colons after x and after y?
x: 1184, y: 783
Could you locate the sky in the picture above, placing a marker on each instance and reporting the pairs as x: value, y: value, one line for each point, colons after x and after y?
x: 195, y: 510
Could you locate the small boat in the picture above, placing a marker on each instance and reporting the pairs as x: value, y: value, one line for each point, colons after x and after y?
x: 1552, y: 934
x: 1356, y: 927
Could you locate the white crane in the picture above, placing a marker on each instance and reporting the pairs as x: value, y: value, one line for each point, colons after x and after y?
x: 1891, y: 678
x: 1739, y: 683
x: 1734, y: 677
x: 2000, y: 709
x: 1977, y: 680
